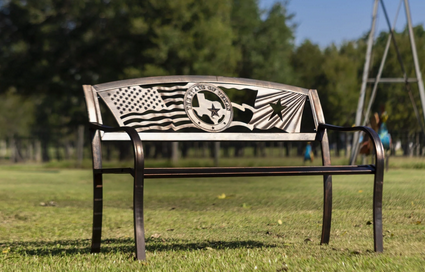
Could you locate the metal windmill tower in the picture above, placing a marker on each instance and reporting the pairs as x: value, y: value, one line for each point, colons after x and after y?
x: 378, y: 79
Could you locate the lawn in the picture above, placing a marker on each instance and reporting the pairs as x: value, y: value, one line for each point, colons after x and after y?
x: 224, y: 224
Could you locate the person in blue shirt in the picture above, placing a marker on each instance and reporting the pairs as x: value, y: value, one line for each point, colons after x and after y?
x: 383, y: 133
x: 308, y: 155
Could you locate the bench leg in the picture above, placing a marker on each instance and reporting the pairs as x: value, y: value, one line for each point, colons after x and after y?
x: 139, y: 228
x: 377, y: 212
x: 327, y: 191
x: 97, y: 212
x: 327, y: 209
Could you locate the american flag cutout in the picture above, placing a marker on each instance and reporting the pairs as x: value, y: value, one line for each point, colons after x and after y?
x: 155, y: 108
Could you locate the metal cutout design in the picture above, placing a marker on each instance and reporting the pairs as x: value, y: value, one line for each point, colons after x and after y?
x: 204, y: 106
x: 285, y: 114
x: 154, y: 108
x: 219, y: 114
x: 277, y: 109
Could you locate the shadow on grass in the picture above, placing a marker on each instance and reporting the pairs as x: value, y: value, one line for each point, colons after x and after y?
x: 121, y: 245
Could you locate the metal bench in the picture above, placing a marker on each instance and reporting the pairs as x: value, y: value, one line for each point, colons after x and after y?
x: 198, y: 108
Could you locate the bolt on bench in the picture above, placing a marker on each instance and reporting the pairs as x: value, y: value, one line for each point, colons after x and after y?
x: 199, y: 108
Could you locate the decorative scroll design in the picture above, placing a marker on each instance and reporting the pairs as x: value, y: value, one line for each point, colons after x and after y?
x: 204, y: 106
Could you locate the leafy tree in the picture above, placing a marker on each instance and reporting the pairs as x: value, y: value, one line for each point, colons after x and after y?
x: 16, y: 115
x: 275, y: 44
x: 245, y: 22
x: 16, y: 121
x: 51, y: 47
x: 265, y: 44
x: 340, y: 95
x: 307, y: 62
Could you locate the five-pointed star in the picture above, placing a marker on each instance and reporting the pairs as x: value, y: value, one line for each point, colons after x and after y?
x: 277, y: 109
x: 214, y: 111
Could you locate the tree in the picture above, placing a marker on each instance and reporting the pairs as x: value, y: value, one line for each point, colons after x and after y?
x: 275, y: 44
x: 265, y: 44
x: 307, y: 62
x: 51, y: 47
x: 340, y: 95
x: 16, y: 120
x: 394, y: 97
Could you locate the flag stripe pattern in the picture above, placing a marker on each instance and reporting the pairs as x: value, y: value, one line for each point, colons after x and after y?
x: 153, y: 108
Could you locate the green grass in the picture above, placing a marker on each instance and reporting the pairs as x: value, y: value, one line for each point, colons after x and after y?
x: 262, y: 224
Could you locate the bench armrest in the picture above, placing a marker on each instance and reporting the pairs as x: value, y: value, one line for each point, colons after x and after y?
x: 377, y: 144
x: 135, y: 140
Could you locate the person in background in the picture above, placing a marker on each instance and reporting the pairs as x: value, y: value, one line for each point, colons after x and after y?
x: 383, y: 133
x: 308, y: 155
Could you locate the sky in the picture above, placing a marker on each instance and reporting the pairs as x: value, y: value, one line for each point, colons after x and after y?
x: 335, y: 21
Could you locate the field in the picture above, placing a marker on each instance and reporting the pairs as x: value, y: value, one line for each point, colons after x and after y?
x: 233, y: 224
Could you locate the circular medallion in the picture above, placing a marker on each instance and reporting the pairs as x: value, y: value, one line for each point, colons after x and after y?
x: 208, y: 107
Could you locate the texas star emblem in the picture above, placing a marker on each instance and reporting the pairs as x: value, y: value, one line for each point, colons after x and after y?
x: 218, y: 112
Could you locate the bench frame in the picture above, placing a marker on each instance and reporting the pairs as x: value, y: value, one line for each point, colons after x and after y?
x: 100, y: 132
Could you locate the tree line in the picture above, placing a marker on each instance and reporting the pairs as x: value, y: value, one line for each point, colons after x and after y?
x: 50, y: 48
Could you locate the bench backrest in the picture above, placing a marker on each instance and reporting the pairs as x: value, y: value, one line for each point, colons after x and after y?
x: 205, y: 108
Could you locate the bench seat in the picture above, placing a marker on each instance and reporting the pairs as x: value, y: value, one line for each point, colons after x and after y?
x: 204, y: 172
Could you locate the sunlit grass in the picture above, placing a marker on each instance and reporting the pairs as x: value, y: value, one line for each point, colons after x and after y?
x: 223, y: 224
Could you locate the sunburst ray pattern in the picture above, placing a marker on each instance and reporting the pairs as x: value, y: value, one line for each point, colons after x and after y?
x: 290, y: 115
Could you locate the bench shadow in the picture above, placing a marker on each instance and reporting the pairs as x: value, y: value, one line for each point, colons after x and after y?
x: 122, y: 245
